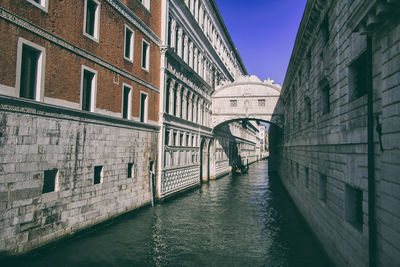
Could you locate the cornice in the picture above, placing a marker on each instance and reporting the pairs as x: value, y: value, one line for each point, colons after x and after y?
x: 201, y: 37
x: 305, y: 35
x: 36, y: 108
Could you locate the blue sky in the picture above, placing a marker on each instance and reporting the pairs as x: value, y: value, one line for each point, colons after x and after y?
x: 264, y: 32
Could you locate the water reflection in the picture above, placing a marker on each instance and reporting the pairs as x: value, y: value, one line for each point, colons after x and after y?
x: 235, y: 221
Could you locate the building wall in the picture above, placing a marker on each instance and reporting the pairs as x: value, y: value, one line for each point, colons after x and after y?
x: 323, y: 154
x: 36, y: 138
x: 67, y: 60
x: 197, y: 56
x: 51, y: 134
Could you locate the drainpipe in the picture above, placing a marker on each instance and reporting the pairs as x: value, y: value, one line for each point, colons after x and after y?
x: 371, y: 162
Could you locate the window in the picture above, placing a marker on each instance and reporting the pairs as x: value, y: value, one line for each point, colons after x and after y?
x: 175, y: 141
x: 42, y: 4
x: 261, y: 102
x: 308, y: 65
x: 98, y: 174
x: 353, y: 206
x: 88, y: 89
x: 92, y: 19
x: 128, y: 45
x: 322, y: 188
x: 145, y: 3
x: 166, y: 141
x: 306, y: 177
x: 130, y: 170
x: 50, y: 182
x: 145, y: 55
x: 297, y: 171
x: 143, y: 107
x: 31, y: 69
x: 308, y: 109
x: 325, y: 98
x: 233, y: 103
x: 358, y: 72
x: 126, y: 101
x: 325, y: 30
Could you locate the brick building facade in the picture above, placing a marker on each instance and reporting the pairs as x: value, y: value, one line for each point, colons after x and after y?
x: 79, y: 99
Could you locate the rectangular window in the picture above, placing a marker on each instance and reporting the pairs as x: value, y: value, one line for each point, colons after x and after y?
x: 358, y: 72
x: 42, y: 4
x: 175, y: 141
x: 128, y: 45
x: 88, y: 89
x: 322, y: 188
x: 130, y: 170
x: 145, y: 55
x: 325, y: 99
x: 166, y: 141
x: 31, y: 68
x: 143, y: 107
x: 181, y: 140
x: 308, y: 109
x: 98, y: 174
x: 126, y: 101
x: 29, y: 71
x: 261, y: 102
x: 233, y: 103
x: 50, y: 182
x: 297, y: 171
x: 92, y: 19
x: 325, y: 30
x: 308, y: 65
x: 146, y: 4
x: 306, y: 177
x: 353, y: 207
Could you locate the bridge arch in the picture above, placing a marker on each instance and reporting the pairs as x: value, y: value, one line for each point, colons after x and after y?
x: 247, y: 98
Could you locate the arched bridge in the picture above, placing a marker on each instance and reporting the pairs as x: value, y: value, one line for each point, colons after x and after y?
x: 248, y: 98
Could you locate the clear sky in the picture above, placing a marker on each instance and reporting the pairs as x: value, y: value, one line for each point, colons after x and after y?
x: 264, y: 32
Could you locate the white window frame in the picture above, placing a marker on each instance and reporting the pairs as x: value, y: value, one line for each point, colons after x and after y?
x: 40, y: 76
x: 146, y: 4
x: 147, y: 67
x: 43, y: 5
x: 129, y: 115
x: 132, y: 48
x: 93, y: 93
x: 146, y: 108
x: 96, y: 32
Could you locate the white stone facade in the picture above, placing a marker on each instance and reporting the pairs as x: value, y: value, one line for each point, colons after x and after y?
x: 197, y: 56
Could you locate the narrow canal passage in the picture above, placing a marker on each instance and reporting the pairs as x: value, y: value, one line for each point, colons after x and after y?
x: 235, y: 221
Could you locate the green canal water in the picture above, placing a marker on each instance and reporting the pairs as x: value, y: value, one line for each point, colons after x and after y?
x: 244, y: 220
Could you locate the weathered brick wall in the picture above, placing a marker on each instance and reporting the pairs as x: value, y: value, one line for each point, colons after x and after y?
x: 335, y: 144
x: 65, y: 19
x: 37, y: 137
x: 63, y: 67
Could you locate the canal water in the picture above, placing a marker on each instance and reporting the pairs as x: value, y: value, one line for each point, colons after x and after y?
x: 244, y: 220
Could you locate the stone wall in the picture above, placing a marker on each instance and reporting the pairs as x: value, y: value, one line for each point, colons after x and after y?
x: 323, y: 155
x: 35, y: 138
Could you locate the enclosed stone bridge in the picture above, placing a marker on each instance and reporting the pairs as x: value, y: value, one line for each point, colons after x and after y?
x: 248, y: 98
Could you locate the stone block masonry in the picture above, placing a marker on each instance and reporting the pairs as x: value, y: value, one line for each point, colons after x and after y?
x: 323, y: 157
x: 35, y: 138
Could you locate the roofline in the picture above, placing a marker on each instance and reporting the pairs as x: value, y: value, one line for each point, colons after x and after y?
x: 298, y: 42
x: 235, y: 50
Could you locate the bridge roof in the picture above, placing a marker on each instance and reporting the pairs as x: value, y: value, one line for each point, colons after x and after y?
x: 248, y: 86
